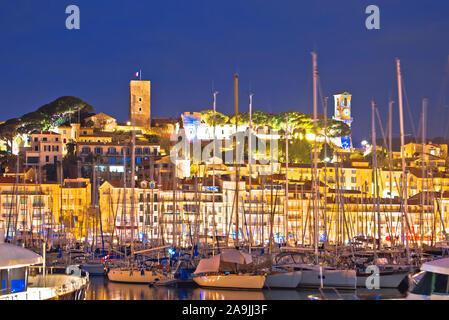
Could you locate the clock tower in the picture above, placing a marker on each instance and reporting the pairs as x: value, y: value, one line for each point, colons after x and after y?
x: 342, y: 112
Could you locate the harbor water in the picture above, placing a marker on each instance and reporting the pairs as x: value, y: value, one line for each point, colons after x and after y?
x: 101, y: 288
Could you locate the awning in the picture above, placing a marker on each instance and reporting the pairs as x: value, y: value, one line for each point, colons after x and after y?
x: 12, y: 256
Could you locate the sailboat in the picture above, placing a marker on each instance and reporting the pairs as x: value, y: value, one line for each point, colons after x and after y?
x: 229, y: 269
x: 131, y: 273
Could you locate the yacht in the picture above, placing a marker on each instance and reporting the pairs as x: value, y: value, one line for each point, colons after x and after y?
x: 432, y: 282
x: 21, y: 277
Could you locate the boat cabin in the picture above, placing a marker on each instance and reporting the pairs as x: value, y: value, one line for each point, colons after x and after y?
x: 434, y: 282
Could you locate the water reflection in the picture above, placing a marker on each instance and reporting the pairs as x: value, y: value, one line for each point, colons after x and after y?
x: 102, y: 289
x: 223, y: 294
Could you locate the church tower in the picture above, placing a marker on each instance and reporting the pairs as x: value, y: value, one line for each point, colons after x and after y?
x: 139, y: 103
x: 342, y: 112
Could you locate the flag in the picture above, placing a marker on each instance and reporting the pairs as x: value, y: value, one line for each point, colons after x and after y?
x: 137, y: 74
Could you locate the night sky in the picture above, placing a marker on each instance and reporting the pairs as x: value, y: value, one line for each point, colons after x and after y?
x: 189, y: 48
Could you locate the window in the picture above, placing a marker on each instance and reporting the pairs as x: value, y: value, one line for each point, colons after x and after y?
x: 64, y: 131
x: 36, y: 148
x: 44, y: 139
x: 36, y: 139
x: 47, y: 159
x: 56, y: 139
x: 440, y: 283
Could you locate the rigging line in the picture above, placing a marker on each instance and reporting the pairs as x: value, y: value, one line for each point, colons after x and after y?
x: 409, y: 111
x: 381, y: 128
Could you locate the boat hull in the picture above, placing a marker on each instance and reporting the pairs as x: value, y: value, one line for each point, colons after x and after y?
x: 94, y: 269
x: 234, y: 281
x: 135, y: 276
x: 386, y: 279
x: 341, y: 279
x: 53, y: 287
x: 289, y: 280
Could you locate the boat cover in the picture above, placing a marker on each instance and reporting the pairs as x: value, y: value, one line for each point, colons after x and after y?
x: 235, y: 256
x: 437, y: 266
x: 224, y: 260
x: 208, y: 265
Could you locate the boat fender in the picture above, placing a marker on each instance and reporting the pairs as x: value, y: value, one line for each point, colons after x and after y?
x: 73, y: 270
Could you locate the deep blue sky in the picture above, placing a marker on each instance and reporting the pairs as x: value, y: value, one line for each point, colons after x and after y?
x: 188, y: 47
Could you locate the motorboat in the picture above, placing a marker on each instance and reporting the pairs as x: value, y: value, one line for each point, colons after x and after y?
x: 432, y: 281
x: 23, y: 277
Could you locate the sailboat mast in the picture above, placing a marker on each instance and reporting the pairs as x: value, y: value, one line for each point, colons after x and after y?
x: 404, y: 177
x: 213, y: 167
x: 423, y: 142
x: 325, y: 169
x: 315, y: 156
x: 250, y: 155
x: 236, y: 104
x: 286, y: 181
x: 376, y: 185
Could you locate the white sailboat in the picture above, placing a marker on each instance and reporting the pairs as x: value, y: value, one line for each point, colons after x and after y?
x: 222, y: 271
x: 283, y: 277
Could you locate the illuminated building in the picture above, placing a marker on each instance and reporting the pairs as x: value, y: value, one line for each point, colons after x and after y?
x: 342, y: 112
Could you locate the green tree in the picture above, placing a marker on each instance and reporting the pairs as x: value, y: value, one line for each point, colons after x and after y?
x: 326, y: 149
x: 208, y: 117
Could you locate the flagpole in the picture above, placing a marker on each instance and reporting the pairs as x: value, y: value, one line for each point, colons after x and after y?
x: 140, y: 74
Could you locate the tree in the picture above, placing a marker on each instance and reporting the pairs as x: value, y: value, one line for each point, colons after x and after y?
x: 152, y: 138
x: 8, y: 131
x: 299, y: 151
x: 47, y: 116
x: 208, y: 117
x: 326, y: 149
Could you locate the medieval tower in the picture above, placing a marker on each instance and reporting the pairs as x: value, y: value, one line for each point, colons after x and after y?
x: 139, y: 103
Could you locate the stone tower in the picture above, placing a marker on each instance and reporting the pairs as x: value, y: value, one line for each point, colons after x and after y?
x: 139, y: 103
x: 343, y: 113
